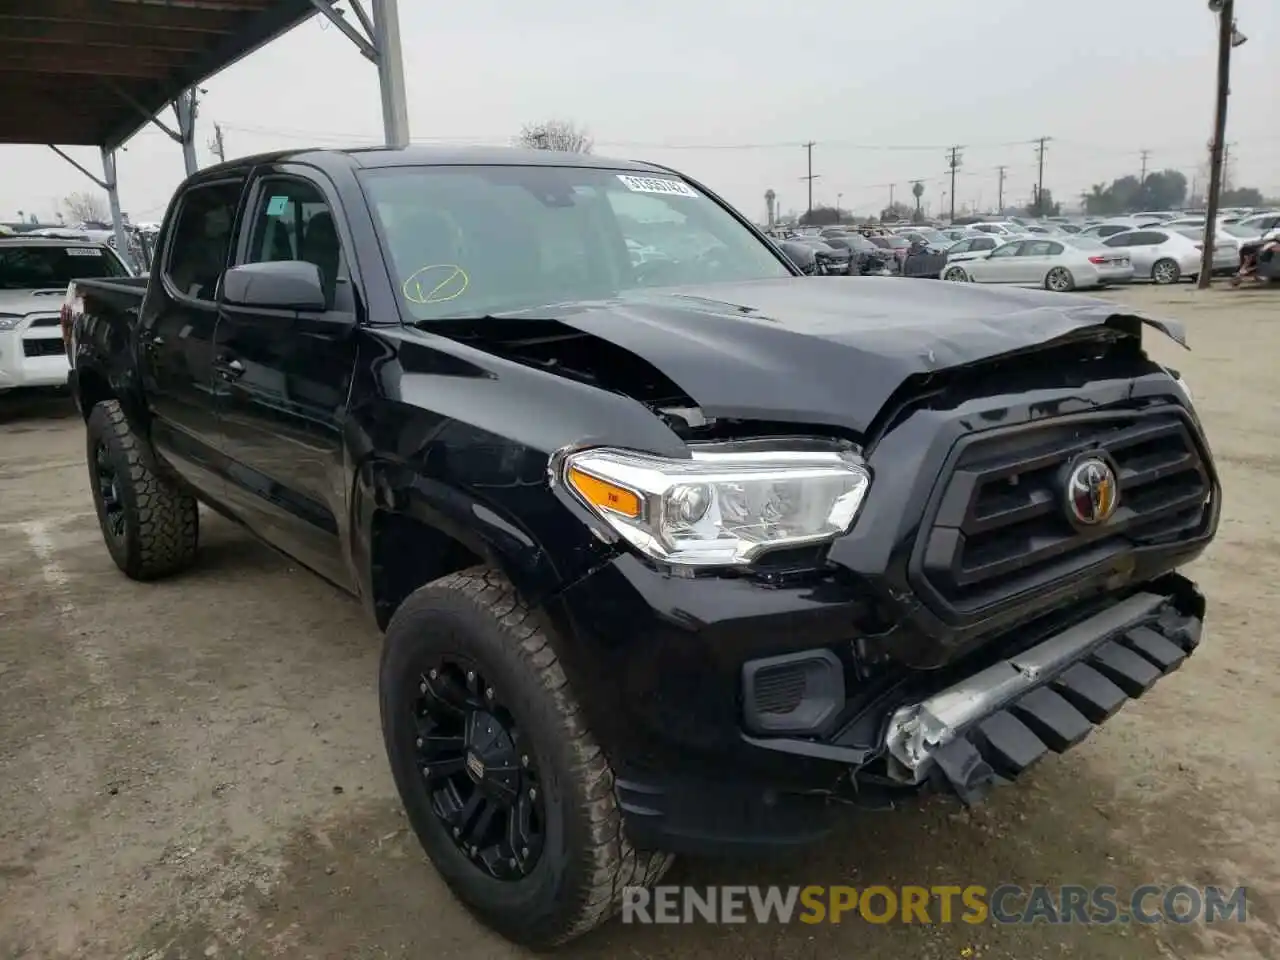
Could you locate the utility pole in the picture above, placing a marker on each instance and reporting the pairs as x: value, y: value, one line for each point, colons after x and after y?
x: 1000, y: 192
x: 216, y: 145
x: 1226, y: 23
x: 1226, y: 167
x: 1143, y: 179
x: 1040, y: 175
x: 812, y: 176
x: 953, y: 161
x: 1084, y: 201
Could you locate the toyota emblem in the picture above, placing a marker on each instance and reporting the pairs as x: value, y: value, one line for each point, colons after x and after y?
x: 1092, y: 492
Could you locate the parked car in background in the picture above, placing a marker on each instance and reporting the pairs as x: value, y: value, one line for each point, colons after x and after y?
x: 1258, y: 224
x: 898, y: 246
x: 1109, y: 228
x: 1057, y: 265
x: 973, y: 248
x: 34, y: 274
x: 866, y: 258
x: 1007, y: 229
x: 1164, y: 256
x: 801, y: 254
x: 1226, y: 248
x: 831, y: 260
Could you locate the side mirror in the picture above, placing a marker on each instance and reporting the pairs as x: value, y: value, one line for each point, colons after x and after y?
x: 276, y: 285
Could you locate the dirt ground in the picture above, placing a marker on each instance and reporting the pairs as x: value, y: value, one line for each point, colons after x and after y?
x: 194, y: 768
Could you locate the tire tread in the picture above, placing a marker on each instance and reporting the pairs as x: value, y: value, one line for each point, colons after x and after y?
x: 611, y: 862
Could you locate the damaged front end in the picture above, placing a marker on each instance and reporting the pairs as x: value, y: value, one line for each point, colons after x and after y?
x: 994, y: 724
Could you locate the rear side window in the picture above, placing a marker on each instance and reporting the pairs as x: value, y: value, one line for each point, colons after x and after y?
x: 37, y: 266
x: 202, y: 239
x: 984, y: 243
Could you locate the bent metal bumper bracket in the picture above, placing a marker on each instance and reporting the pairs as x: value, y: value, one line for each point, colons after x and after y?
x: 994, y: 724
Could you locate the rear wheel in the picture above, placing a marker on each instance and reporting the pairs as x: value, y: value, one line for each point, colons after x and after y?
x: 504, y: 785
x: 955, y: 274
x: 1059, y: 280
x: 151, y: 527
x: 1166, y: 271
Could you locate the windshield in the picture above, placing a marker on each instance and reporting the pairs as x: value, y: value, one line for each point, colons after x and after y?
x: 470, y: 241
x: 1240, y: 230
x: 36, y: 267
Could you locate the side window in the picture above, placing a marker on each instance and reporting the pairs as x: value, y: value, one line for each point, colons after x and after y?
x: 1120, y: 240
x: 292, y: 221
x: 1055, y: 248
x: 1111, y: 229
x: 1035, y: 248
x: 202, y: 238
x: 1008, y: 250
x: 964, y: 246
x: 1148, y: 238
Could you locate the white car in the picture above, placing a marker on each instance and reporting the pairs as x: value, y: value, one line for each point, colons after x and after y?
x: 1166, y: 256
x: 973, y: 247
x: 1109, y: 228
x: 1058, y: 265
x: 1008, y: 229
x: 34, y: 274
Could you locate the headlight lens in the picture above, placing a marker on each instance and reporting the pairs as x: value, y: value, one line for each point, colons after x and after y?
x: 720, y: 508
x: 10, y: 321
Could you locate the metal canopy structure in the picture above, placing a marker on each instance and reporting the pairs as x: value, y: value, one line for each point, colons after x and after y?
x: 94, y: 72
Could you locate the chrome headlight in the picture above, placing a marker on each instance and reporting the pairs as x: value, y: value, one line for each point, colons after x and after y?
x: 720, y: 507
x: 10, y: 321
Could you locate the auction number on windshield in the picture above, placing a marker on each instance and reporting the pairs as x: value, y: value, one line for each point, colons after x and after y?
x: 435, y: 283
x: 674, y: 188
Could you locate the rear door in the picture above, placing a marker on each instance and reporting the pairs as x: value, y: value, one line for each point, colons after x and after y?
x: 1032, y: 261
x: 284, y: 376
x: 175, y: 332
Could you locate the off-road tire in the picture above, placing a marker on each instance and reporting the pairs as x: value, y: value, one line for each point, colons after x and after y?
x: 587, y: 861
x: 161, y: 521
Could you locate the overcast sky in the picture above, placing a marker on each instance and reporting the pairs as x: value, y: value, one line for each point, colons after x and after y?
x: 727, y: 92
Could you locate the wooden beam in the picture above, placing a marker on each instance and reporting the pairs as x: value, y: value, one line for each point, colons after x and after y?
x: 93, y: 35
x: 128, y: 14
x: 142, y: 64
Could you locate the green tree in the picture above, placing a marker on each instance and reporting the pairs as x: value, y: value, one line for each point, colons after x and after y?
x: 1243, y: 197
x: 820, y: 217
x: 1043, y: 205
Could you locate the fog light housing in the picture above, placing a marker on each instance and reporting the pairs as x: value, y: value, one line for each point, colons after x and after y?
x: 797, y: 693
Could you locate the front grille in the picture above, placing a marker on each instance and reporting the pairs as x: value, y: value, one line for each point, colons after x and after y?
x: 52, y: 321
x: 42, y: 348
x: 1002, y: 524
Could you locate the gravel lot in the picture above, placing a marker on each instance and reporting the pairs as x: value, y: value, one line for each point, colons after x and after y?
x: 194, y: 768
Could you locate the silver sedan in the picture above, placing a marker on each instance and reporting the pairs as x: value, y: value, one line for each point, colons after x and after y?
x: 1166, y: 256
x: 1058, y: 265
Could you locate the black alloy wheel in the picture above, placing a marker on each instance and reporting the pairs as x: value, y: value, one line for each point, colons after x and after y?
x: 107, y: 480
x: 478, y: 769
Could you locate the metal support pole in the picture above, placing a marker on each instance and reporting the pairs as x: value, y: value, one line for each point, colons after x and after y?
x: 1225, y: 23
x: 185, y: 109
x: 395, y: 108
x: 113, y: 198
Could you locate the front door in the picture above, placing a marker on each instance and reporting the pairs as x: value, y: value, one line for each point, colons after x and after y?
x: 1032, y: 262
x: 1000, y: 267
x: 283, y: 378
x: 176, y: 329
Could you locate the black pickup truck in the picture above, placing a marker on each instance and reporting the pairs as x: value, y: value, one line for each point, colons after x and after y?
x: 676, y: 550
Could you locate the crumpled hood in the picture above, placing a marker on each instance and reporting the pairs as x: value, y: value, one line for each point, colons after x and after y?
x: 828, y: 351
x: 831, y: 351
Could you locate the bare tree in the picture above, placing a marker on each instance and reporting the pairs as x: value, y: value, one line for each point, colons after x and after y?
x: 563, y: 135
x: 82, y: 207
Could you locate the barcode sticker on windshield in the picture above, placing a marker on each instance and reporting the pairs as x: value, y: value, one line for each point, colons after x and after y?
x: 675, y: 188
x: 276, y: 206
x: 83, y: 252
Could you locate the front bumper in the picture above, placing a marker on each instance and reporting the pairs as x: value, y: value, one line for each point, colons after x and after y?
x: 32, y: 358
x: 691, y: 776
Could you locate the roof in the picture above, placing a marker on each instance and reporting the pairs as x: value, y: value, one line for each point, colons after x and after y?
x: 26, y: 241
x: 94, y: 71
x: 431, y: 156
